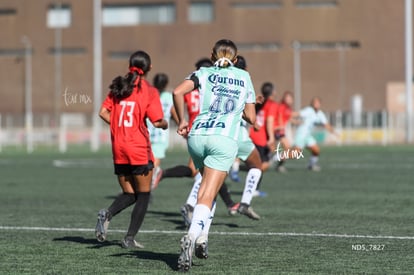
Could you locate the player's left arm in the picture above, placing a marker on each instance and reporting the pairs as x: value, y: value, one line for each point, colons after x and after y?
x: 249, y: 113
x: 329, y: 128
x: 327, y: 125
x: 174, y: 115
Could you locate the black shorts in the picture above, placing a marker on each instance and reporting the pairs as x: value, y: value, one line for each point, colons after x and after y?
x: 279, y: 134
x: 128, y: 169
x: 264, y: 152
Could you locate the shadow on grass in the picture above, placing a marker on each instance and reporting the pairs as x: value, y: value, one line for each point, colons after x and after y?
x: 164, y: 213
x: 170, y: 217
x: 169, y: 258
x: 93, y: 242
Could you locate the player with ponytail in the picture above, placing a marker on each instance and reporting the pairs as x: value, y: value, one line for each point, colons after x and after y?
x: 226, y: 95
x: 130, y: 102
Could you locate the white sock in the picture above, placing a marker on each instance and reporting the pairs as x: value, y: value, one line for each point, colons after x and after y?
x: 192, y: 197
x: 197, y: 177
x: 313, y: 160
x: 252, y: 179
x: 201, y: 215
x: 236, y: 166
x: 204, y: 234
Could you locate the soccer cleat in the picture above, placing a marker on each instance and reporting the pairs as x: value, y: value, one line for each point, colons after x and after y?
x: 234, y: 176
x: 129, y: 242
x: 233, y: 209
x: 281, y: 169
x: 102, y: 224
x: 201, y: 248
x: 156, y: 178
x: 187, y: 214
x: 186, y: 254
x: 248, y: 211
x: 260, y: 194
x: 314, y: 168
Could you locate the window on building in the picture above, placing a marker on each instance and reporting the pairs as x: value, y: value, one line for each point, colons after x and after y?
x: 327, y: 45
x: 59, y: 16
x: 316, y: 3
x: 201, y: 12
x: 120, y: 54
x: 7, y: 11
x: 257, y: 5
x: 130, y: 15
x: 262, y: 46
x: 65, y: 51
x: 13, y: 52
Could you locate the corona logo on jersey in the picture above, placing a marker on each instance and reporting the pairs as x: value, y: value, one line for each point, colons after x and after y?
x: 216, y: 78
x: 210, y: 123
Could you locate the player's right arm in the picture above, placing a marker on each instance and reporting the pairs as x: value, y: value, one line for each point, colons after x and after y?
x: 105, y: 114
x: 178, y: 95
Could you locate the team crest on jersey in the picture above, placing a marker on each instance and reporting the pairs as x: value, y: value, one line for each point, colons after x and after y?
x: 210, y: 123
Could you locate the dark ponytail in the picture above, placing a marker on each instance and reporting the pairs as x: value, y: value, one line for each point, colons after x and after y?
x: 139, y: 65
x: 267, y: 90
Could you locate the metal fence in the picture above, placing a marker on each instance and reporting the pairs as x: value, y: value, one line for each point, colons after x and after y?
x: 76, y: 129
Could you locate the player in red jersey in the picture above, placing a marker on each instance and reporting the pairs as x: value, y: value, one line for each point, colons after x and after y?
x: 283, y: 116
x: 129, y: 103
x: 262, y: 133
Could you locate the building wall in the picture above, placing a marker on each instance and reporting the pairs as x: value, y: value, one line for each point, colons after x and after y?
x: 376, y: 25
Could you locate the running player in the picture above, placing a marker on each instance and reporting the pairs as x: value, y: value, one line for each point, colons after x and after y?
x: 192, y: 102
x: 283, y: 115
x: 251, y: 156
x: 262, y: 133
x: 130, y: 102
x: 310, y: 117
x: 226, y: 93
x: 160, y: 138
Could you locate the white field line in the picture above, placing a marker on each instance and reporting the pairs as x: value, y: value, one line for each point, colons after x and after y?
x: 339, y: 164
x: 280, y: 234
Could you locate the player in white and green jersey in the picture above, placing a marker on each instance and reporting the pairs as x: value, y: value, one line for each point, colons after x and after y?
x: 222, y: 100
x: 160, y: 138
x: 226, y: 94
x: 310, y: 117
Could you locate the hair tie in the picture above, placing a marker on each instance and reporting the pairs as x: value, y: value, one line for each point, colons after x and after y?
x: 139, y: 71
x: 220, y: 62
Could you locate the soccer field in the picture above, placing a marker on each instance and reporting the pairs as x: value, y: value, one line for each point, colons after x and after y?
x: 355, y: 216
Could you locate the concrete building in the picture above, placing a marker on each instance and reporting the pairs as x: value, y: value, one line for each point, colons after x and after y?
x: 346, y: 47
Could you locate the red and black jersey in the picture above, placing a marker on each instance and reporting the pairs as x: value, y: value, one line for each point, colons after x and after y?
x: 129, y: 132
x: 260, y: 137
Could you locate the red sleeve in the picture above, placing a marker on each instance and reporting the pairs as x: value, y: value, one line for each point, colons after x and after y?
x: 154, y: 110
x: 108, y: 102
x: 272, y: 109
